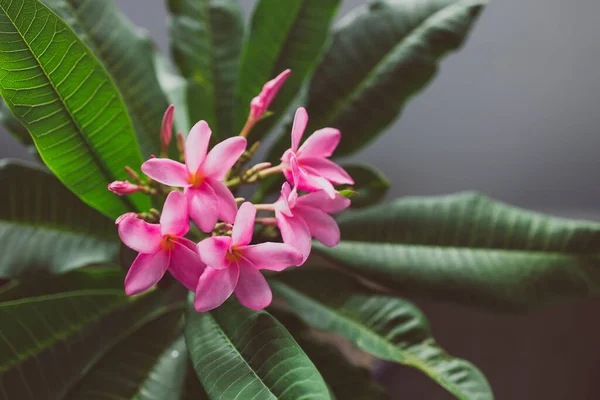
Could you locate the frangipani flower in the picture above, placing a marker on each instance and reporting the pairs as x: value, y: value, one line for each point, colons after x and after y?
x: 166, y: 130
x: 161, y: 247
x: 260, y: 104
x: 233, y: 265
x: 317, y: 172
x: 208, y: 198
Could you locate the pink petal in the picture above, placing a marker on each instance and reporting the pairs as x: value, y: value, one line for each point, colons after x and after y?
x: 261, y: 103
x: 214, y: 287
x: 203, y: 207
x: 166, y: 131
x: 283, y: 204
x: 295, y: 232
x: 188, y: 243
x: 222, y: 157
x: 252, y: 289
x: 165, y: 171
x: 213, y: 250
x: 139, y: 235
x: 322, y: 143
x: 272, y: 256
x: 311, y: 181
x: 186, y: 266
x: 174, y: 217
x: 300, y: 121
x: 243, y: 228
x: 227, y: 205
x: 145, y: 272
x: 196, y: 146
x: 327, y: 169
x: 322, y: 226
x: 322, y: 201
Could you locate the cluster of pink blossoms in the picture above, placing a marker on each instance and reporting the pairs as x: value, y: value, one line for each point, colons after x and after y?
x: 226, y: 262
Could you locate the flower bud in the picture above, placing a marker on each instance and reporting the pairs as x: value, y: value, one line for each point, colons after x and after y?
x: 123, y: 187
x: 260, y: 104
x: 166, y: 131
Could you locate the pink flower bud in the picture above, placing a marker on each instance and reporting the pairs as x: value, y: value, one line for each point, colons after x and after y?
x: 123, y: 187
x: 166, y: 131
x: 260, y: 104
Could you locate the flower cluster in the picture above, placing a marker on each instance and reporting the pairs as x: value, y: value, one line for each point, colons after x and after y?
x: 225, y: 260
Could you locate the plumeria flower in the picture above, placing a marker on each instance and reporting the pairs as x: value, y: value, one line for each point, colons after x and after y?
x: 317, y: 172
x: 208, y: 198
x: 161, y: 247
x: 233, y: 265
x: 166, y: 130
x: 260, y: 104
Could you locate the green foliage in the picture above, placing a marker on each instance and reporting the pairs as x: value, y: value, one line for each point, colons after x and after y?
x: 44, y: 227
x: 471, y: 249
x: 67, y: 101
x: 370, y: 185
x: 389, y: 328
x: 206, y: 41
x: 241, y: 353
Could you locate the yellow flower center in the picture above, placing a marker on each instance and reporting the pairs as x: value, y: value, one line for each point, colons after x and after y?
x: 234, y: 255
x: 167, y: 243
x: 196, y: 179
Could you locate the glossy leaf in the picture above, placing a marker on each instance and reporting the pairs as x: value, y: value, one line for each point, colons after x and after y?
x: 389, y: 328
x: 67, y: 101
x: 244, y: 354
x: 370, y: 185
x: 88, y: 338
x: 127, y: 52
x: 206, y: 41
x: 283, y: 34
x: 469, y: 248
x: 382, y: 54
x: 44, y: 227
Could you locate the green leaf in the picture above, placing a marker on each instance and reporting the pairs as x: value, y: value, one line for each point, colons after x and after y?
x: 67, y: 101
x: 284, y: 34
x: 44, y: 227
x: 369, y: 183
x: 244, y: 354
x: 89, y: 338
x: 206, y: 40
x: 127, y: 53
x: 471, y: 249
x: 382, y: 54
x: 389, y: 328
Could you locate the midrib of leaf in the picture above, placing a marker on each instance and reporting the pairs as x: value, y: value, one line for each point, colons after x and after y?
x: 157, y: 313
x: 65, y: 106
x: 341, y: 105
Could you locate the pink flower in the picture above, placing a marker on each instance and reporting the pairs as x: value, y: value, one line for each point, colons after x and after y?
x: 166, y: 131
x: 123, y: 187
x: 161, y: 247
x: 316, y: 171
x: 233, y: 265
x: 208, y: 198
x: 260, y: 104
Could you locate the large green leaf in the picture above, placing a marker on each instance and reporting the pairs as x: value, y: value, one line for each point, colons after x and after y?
x: 468, y: 248
x: 127, y: 53
x: 370, y: 184
x: 206, y: 41
x: 244, y: 354
x: 89, y: 338
x: 389, y: 328
x: 67, y: 101
x: 44, y: 227
x: 284, y: 34
x: 382, y: 54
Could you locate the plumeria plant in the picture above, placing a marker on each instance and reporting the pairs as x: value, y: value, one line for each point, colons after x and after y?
x: 159, y: 250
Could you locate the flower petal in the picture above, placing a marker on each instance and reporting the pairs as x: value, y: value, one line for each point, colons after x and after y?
x: 322, y: 143
x: 214, y: 287
x: 272, y: 256
x: 252, y: 289
x: 322, y: 201
x: 295, y: 232
x: 139, y: 235
x: 300, y: 121
x: 212, y: 251
x: 311, y: 181
x: 196, y: 145
x: 243, y: 227
x: 165, y: 171
x: 186, y: 266
x: 328, y: 169
x: 203, y: 207
x: 145, y: 272
x: 322, y: 226
x: 174, y: 218
x: 222, y: 157
x: 227, y: 205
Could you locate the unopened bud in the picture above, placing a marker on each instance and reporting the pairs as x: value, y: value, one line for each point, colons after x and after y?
x: 132, y: 174
x: 123, y: 187
x: 260, y: 104
x: 166, y: 131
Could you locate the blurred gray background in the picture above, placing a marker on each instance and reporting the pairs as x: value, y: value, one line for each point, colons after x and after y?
x: 515, y: 115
